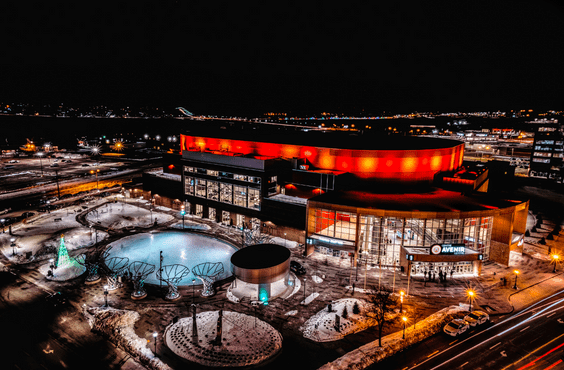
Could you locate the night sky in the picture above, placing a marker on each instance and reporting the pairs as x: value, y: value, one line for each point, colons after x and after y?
x: 245, y: 58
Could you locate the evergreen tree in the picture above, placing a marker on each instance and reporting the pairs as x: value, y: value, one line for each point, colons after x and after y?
x: 345, y: 313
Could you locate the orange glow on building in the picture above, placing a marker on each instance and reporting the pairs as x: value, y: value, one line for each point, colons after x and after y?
x: 384, y: 164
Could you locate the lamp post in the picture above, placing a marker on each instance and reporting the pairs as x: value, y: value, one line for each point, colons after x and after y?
x: 402, y: 293
x: 105, y: 296
x: 471, y: 295
x: 404, y: 319
x: 516, y: 272
x: 92, y: 172
x: 13, y: 245
x: 555, y: 258
x: 285, y: 239
x: 40, y: 155
x: 305, y: 289
x: 193, y: 291
x: 51, y: 265
x: 155, y: 338
x: 3, y: 221
x: 182, y: 212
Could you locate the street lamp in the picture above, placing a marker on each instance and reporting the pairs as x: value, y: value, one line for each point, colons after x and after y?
x: 13, y: 245
x: 52, y: 265
x: 304, y: 290
x: 92, y: 172
x: 155, y: 338
x: 404, y: 319
x: 193, y: 290
x: 402, y: 293
x: 471, y: 295
x: 3, y: 221
x: 555, y: 258
x: 516, y: 272
x: 105, y: 296
x: 40, y: 155
x: 182, y: 212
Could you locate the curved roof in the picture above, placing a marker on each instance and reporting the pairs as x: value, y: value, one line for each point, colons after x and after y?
x: 260, y: 256
x: 435, y: 200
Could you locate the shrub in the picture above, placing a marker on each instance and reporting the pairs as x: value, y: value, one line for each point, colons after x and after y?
x: 356, y: 309
x: 345, y: 313
x: 527, y: 233
x: 542, y: 241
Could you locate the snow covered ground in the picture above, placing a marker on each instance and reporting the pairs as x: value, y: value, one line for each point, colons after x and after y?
x: 371, y: 353
x: 118, y: 326
x: 123, y: 215
x: 245, y: 340
x: 41, y: 235
x: 321, y: 326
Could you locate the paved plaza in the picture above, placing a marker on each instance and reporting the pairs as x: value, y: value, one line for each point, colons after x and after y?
x: 335, y: 282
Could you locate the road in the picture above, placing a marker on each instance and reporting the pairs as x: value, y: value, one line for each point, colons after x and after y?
x: 530, y: 339
x: 37, y: 335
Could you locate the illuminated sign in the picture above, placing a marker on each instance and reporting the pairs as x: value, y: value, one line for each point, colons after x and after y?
x: 442, y: 249
x: 409, y: 257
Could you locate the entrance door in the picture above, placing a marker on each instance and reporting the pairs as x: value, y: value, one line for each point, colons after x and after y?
x: 225, y: 217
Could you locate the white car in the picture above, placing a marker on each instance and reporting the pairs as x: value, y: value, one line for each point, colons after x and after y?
x: 456, y: 327
x: 477, y: 318
x: 14, y: 161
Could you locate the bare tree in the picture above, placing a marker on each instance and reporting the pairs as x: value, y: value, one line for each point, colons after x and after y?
x: 252, y: 234
x: 382, y: 305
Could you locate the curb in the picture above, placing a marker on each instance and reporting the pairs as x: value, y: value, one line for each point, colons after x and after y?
x: 519, y: 291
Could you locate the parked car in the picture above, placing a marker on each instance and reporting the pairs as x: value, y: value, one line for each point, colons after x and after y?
x: 54, y: 165
x: 477, y: 318
x: 14, y: 161
x: 66, y: 196
x: 5, y: 210
x: 456, y: 327
x: 9, y: 167
x: 297, y: 268
x: 85, y: 165
x: 27, y: 214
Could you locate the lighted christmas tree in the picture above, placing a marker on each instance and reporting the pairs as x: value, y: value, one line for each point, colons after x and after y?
x: 63, y: 258
x: 66, y: 267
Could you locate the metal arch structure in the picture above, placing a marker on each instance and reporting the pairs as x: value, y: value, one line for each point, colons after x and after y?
x: 208, y: 272
x: 114, y: 268
x: 252, y: 234
x: 139, y: 272
x: 172, y: 275
x: 91, y: 260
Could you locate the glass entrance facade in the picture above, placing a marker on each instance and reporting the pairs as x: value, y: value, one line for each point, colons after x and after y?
x: 380, y: 239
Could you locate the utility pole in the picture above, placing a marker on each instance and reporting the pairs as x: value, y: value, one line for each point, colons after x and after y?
x: 58, y: 189
x: 161, y: 271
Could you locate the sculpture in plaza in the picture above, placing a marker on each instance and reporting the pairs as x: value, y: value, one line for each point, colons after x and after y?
x: 139, y: 272
x: 208, y: 272
x: 172, y: 275
x: 91, y: 260
x: 252, y: 234
x: 114, y: 268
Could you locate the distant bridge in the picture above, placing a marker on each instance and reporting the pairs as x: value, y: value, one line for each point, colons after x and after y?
x: 185, y: 111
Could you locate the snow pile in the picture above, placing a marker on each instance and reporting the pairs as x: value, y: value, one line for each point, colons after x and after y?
x: 291, y: 313
x: 316, y: 279
x: 189, y: 225
x: 231, y: 296
x: 309, y: 299
x: 117, y: 326
x: 321, y: 326
x: 371, y: 353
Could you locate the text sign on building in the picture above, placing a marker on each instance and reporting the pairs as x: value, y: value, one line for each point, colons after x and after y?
x: 441, y: 249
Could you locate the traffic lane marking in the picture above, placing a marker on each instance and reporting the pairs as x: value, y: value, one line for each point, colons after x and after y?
x: 522, y: 330
x: 538, y: 349
x: 433, y: 353
x: 495, y: 345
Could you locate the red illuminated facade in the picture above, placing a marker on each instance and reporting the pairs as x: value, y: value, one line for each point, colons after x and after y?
x: 405, y: 164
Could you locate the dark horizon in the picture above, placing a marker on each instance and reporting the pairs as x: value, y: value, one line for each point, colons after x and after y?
x: 232, y: 60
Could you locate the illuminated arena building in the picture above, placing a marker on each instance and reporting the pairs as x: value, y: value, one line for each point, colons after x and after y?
x: 391, y: 201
